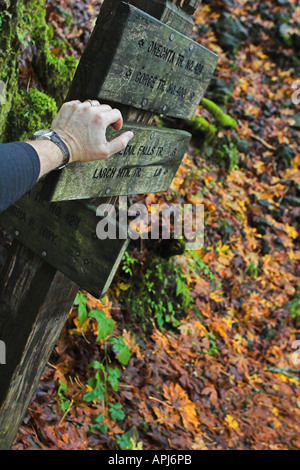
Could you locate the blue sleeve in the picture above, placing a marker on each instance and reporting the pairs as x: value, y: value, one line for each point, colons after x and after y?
x: 19, y: 171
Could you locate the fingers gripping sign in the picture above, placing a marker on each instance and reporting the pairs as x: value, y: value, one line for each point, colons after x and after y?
x: 83, y: 127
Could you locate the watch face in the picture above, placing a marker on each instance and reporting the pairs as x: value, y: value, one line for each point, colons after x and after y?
x: 42, y: 133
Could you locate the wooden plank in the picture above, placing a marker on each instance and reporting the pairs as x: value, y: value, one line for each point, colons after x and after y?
x: 34, y: 305
x: 64, y: 235
x: 168, y: 13
x: 163, y: 10
x: 189, y: 6
x: 150, y: 66
x: 147, y: 165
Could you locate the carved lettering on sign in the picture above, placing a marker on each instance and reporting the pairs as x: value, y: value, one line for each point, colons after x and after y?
x: 168, y: 73
x: 131, y: 171
x: 176, y: 58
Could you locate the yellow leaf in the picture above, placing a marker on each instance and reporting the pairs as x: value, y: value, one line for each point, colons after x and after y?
x: 231, y: 423
x: 88, y: 388
x: 123, y: 286
x: 293, y: 381
x: 136, y: 445
x: 216, y: 296
x: 291, y: 231
x: 223, y: 250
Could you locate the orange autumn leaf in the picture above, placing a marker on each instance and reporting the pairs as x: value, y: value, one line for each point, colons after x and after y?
x: 177, y: 398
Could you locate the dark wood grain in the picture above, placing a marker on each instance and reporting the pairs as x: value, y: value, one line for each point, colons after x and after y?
x: 64, y: 235
x: 150, y: 66
x: 34, y: 303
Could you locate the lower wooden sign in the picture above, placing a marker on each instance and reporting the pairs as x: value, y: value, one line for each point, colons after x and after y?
x: 147, y: 165
x: 65, y: 235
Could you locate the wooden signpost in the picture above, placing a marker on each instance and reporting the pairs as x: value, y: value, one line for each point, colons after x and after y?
x: 64, y: 235
x: 140, y: 60
x: 150, y: 66
x: 147, y: 165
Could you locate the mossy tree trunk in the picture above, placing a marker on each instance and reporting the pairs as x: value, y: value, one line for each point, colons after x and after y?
x: 23, y: 28
x: 10, y: 18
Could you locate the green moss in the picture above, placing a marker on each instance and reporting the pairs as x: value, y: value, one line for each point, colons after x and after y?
x: 54, y: 73
x: 201, y: 125
x: 223, y: 120
x: 30, y: 111
x: 9, y: 48
x: 23, y: 23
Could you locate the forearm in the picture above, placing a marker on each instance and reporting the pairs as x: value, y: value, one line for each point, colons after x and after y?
x: 49, y: 154
x: 19, y: 171
x: 22, y: 164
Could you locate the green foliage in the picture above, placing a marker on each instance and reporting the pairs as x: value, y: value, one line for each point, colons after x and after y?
x: 98, y: 389
x: 98, y: 424
x: 116, y: 412
x: 252, y: 270
x: 160, y: 293
x: 127, y: 263
x: 213, y: 345
x: 120, y: 349
x: 229, y: 154
x: 105, y: 325
x: 104, y: 375
x: 294, y: 307
x: 63, y: 401
x: 113, y: 377
x: 124, y: 442
x: 204, y: 267
x: 82, y: 310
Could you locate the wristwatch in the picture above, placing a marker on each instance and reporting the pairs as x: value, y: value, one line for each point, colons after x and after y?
x: 50, y: 134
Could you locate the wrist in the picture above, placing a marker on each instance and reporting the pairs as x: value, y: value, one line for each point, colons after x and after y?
x: 50, y: 155
x: 69, y: 143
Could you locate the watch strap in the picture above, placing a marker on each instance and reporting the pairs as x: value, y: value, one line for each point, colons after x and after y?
x: 54, y: 137
x: 50, y: 134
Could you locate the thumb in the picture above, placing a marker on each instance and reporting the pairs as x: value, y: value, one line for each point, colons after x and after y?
x: 120, y: 143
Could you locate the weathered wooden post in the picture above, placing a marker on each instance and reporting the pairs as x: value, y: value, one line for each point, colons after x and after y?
x: 140, y: 60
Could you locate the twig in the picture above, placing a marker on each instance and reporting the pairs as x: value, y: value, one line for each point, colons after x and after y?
x: 262, y: 141
x: 162, y: 402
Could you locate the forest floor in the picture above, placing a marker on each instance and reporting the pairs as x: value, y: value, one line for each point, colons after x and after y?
x: 198, y: 350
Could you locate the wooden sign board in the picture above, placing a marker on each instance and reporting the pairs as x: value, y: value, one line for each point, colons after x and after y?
x: 168, y: 13
x: 147, y: 165
x: 65, y: 235
x: 148, y: 65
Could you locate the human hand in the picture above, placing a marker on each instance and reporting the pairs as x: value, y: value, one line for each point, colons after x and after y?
x: 82, y: 126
